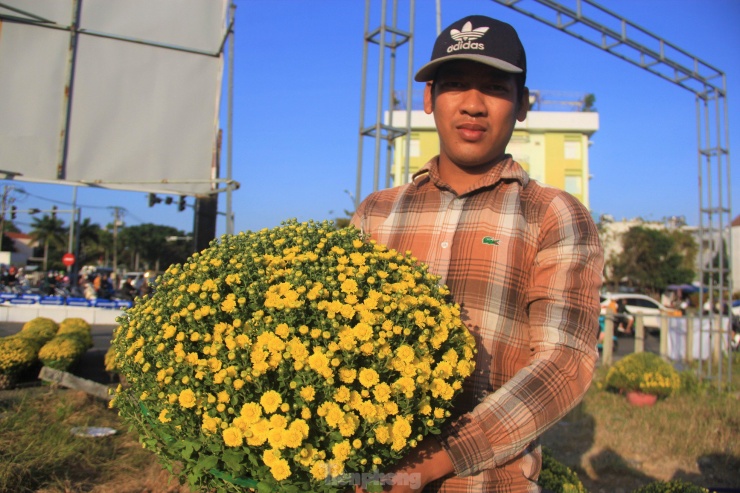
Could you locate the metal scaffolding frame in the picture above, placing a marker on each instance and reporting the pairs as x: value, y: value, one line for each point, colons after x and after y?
x: 389, y: 38
x: 603, y: 29
x: 599, y: 27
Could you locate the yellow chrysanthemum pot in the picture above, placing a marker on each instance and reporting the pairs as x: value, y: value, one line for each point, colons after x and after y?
x: 285, y: 359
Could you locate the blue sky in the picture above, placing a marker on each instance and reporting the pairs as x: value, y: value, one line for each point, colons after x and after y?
x: 297, y: 101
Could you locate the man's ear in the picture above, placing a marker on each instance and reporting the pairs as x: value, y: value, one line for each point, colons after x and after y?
x: 521, y: 114
x: 428, y: 98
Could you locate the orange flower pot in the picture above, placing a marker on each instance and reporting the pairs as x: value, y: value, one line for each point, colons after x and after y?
x: 641, y: 399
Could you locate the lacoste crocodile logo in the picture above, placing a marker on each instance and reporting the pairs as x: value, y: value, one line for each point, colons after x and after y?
x: 490, y: 241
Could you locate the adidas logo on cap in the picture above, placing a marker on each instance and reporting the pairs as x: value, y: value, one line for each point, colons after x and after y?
x: 465, y: 36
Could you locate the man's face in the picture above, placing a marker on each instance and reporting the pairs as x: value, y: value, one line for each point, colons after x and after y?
x: 475, y: 108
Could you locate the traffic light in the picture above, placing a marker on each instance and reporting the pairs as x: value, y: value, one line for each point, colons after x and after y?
x: 12, y: 211
x: 53, y: 212
x: 168, y: 200
x: 153, y: 199
x: 181, y: 204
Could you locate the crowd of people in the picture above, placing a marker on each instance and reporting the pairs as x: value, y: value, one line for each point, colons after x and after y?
x: 90, y: 284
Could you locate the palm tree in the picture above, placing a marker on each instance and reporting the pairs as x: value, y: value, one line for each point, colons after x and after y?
x: 90, y: 240
x: 50, y: 231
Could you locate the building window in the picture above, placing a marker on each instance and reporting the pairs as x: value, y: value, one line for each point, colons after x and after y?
x: 572, y: 149
x: 573, y: 185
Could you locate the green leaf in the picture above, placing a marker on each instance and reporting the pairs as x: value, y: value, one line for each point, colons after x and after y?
x: 206, y: 462
x: 374, y: 487
x: 234, y: 460
x: 187, y: 451
x: 264, y: 488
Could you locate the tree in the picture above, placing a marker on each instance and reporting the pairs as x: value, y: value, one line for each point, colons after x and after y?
x: 652, y: 259
x: 588, y: 103
x: 51, y: 232
x: 150, y: 241
x: 90, y: 238
x: 7, y: 243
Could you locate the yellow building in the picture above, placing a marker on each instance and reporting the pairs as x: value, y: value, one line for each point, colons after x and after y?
x: 552, y: 146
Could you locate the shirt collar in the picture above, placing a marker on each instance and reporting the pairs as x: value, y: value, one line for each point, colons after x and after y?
x: 506, y: 170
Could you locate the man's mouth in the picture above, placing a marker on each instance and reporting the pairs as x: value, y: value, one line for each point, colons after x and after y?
x: 470, y: 131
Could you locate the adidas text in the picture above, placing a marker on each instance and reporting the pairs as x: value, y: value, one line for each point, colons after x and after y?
x: 465, y: 46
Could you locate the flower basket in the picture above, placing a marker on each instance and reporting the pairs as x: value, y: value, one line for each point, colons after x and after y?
x: 646, y: 373
x: 281, y: 360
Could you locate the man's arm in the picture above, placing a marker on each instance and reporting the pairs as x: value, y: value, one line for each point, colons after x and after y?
x: 563, y: 309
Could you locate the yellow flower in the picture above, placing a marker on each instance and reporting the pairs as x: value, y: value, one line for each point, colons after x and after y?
x: 233, y: 437
x: 308, y: 393
x: 368, y: 377
x: 270, y: 401
x: 187, y: 398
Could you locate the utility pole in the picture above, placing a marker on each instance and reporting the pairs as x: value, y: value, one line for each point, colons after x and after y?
x: 116, y: 218
x: 2, y: 214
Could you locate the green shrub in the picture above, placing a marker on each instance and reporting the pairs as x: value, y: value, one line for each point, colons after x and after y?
x: 643, y: 372
x: 41, y: 328
x: 78, y: 327
x: 675, y: 486
x: 62, y: 352
x: 557, y: 477
x: 17, y: 354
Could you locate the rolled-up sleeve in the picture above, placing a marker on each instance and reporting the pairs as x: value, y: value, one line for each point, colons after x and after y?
x: 562, y: 308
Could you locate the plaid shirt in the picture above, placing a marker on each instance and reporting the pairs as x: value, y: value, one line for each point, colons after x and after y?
x: 524, y: 261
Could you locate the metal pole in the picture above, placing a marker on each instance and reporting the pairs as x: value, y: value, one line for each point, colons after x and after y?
x: 230, y: 124
x: 72, y: 222
x: 379, y: 105
x: 363, y: 90
x: 68, y: 90
x: 730, y: 280
x: 439, y: 17
x: 409, y: 98
x: 700, y: 328
x: 391, y: 97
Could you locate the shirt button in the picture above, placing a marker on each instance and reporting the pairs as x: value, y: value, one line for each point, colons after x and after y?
x: 445, y: 244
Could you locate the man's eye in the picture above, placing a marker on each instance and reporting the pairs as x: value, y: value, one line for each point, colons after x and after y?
x: 452, y: 84
x: 497, y: 88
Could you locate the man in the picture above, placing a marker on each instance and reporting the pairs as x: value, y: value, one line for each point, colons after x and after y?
x: 623, y: 318
x: 524, y: 261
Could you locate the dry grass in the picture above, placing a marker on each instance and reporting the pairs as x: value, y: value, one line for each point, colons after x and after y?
x: 39, y: 454
x: 616, y: 447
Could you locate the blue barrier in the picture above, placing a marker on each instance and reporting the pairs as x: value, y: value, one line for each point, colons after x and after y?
x: 32, y: 299
x: 104, y: 303
x: 23, y: 301
x: 71, y: 301
x: 52, y: 300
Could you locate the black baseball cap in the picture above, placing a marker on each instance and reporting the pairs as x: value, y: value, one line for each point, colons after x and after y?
x: 480, y: 39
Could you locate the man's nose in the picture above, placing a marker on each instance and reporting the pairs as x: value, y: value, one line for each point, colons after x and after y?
x: 473, y: 102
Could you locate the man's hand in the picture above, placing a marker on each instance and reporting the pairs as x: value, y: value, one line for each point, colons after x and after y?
x: 427, y: 462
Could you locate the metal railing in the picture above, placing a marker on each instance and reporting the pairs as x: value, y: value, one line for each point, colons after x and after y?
x: 685, y: 340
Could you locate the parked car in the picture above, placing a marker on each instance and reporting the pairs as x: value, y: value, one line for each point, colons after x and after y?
x: 641, y: 304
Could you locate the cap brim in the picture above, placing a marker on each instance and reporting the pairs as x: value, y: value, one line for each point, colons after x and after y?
x: 428, y: 71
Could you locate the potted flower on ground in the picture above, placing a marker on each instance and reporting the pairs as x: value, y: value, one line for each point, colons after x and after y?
x: 643, y: 378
